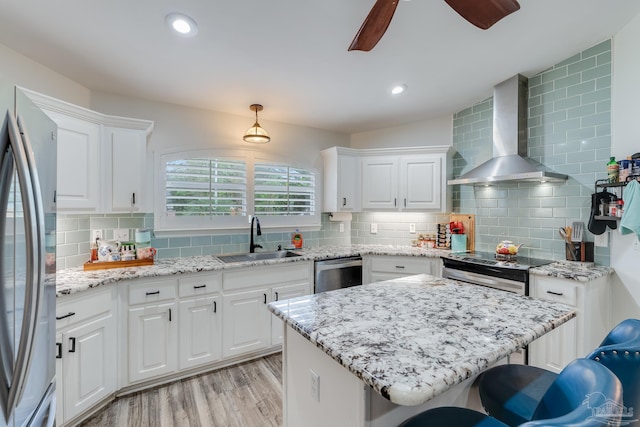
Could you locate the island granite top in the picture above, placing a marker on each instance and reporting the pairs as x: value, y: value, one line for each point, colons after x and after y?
x: 72, y: 280
x: 413, y: 338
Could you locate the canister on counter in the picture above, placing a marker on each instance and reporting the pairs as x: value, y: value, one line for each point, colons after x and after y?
x: 143, y: 238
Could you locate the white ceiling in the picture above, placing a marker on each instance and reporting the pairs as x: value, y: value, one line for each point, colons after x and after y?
x: 291, y: 55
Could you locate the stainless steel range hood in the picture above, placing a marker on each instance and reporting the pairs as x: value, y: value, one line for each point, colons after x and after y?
x: 509, y: 162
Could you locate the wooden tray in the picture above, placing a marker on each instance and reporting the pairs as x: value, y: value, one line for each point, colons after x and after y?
x: 116, y: 264
x: 469, y: 222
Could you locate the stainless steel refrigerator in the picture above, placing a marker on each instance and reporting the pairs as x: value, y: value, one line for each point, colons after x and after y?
x: 27, y: 261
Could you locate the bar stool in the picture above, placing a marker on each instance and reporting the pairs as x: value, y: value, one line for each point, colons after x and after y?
x: 584, y: 394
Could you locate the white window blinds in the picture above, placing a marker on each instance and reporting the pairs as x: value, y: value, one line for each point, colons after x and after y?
x: 206, y: 187
x: 283, y: 190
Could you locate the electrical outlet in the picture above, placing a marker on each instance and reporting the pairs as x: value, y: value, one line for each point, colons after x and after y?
x: 412, y: 228
x: 315, y: 385
x: 96, y: 235
x: 601, y: 240
x: 374, y: 228
x: 121, y: 234
x: 342, y: 228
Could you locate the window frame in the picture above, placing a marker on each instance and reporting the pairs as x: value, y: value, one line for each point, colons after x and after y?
x: 197, y: 225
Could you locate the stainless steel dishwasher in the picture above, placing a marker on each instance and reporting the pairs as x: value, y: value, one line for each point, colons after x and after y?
x: 337, y: 273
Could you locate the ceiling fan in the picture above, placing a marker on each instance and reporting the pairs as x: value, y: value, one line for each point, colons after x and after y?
x: 481, y: 13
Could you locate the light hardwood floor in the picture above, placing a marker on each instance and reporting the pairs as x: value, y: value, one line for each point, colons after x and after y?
x: 245, y: 395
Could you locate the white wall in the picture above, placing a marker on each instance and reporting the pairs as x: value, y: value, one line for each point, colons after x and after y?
x: 625, y: 141
x: 22, y: 71
x: 437, y: 131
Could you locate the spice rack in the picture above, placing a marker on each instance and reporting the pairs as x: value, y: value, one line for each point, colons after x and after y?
x: 604, y: 183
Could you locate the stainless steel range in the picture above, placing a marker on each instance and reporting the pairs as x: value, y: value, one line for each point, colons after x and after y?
x: 482, y: 268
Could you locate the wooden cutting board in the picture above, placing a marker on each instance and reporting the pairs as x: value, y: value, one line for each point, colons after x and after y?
x: 469, y: 222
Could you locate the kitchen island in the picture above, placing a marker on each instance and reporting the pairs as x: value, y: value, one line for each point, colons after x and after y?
x: 373, y: 355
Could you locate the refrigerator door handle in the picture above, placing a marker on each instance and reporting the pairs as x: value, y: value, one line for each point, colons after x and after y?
x: 34, y: 229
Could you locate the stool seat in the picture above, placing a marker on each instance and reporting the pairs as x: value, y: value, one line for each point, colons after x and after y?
x: 511, y: 393
x: 452, y: 417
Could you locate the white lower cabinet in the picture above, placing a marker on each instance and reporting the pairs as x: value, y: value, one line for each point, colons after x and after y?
x: 579, y: 336
x: 86, y: 351
x: 152, y: 329
x: 247, y: 323
x: 377, y: 268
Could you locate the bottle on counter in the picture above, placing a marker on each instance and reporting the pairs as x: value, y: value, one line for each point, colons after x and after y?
x: 613, y: 170
x: 297, y: 239
x: 625, y: 169
x: 620, y: 208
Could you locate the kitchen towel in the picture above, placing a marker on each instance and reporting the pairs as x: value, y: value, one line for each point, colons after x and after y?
x: 598, y: 226
x: 630, y: 222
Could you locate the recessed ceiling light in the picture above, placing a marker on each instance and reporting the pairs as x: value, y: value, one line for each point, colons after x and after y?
x: 182, y: 24
x: 398, y: 89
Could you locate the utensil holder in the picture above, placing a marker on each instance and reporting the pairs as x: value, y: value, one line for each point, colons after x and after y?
x: 583, y: 251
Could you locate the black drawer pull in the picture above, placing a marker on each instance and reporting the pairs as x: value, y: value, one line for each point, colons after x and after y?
x: 555, y: 293
x: 276, y: 296
x: 58, y: 350
x: 399, y: 266
x: 133, y: 198
x: 199, y: 286
x: 215, y: 307
x: 265, y: 298
x: 72, y: 349
x: 344, y: 201
x: 71, y: 313
x: 153, y: 293
x: 169, y: 315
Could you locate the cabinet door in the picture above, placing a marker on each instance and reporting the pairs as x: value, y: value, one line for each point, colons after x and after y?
x: 59, y: 382
x: 199, y: 337
x: 282, y: 293
x: 348, y: 184
x: 420, y: 182
x: 379, y: 183
x: 246, y: 323
x: 556, y: 349
x: 128, y: 169
x: 88, y: 357
x: 152, y: 342
x: 78, y: 173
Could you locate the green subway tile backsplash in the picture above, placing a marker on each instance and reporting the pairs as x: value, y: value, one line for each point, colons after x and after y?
x: 569, y: 132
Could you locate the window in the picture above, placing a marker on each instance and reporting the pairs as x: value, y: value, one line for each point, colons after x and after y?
x: 206, y: 187
x: 217, y: 192
x: 283, y: 190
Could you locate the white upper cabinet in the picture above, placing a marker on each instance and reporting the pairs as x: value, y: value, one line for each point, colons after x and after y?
x: 101, y: 159
x: 342, y: 180
x: 380, y: 183
x: 421, y: 182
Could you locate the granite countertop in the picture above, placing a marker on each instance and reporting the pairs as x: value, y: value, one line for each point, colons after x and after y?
x: 413, y: 338
x: 72, y: 280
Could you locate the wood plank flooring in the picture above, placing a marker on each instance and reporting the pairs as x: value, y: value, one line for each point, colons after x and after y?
x: 245, y: 395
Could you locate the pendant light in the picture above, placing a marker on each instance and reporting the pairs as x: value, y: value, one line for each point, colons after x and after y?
x: 255, y: 134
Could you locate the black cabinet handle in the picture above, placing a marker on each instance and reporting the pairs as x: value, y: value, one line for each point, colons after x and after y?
x: 58, y: 350
x: 405, y: 202
x: 276, y: 296
x: 265, y: 298
x: 55, y: 196
x: 71, y: 313
x: 215, y: 307
x: 169, y: 315
x: 72, y: 349
x: 133, y: 198
x: 555, y: 293
x: 344, y: 201
x: 400, y: 266
x: 153, y: 293
x: 199, y: 286
x: 395, y: 202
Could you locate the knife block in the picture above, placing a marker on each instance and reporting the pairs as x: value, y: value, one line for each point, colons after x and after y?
x: 583, y: 251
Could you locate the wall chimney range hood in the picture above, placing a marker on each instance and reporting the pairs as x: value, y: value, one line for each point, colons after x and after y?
x: 509, y: 162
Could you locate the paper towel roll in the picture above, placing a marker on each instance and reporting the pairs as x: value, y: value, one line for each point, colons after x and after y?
x: 340, y: 216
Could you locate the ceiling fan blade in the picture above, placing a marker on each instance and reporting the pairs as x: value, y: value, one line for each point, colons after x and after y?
x: 375, y: 25
x: 483, y: 14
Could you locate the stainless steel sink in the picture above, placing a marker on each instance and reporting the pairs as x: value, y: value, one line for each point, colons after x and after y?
x: 256, y: 256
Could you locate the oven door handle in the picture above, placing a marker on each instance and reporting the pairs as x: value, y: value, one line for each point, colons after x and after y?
x: 479, y: 279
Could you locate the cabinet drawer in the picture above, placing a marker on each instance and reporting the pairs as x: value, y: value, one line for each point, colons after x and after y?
x: 199, y: 284
x: 296, y: 272
x: 83, y: 306
x: 406, y: 265
x: 556, y: 291
x: 150, y: 292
